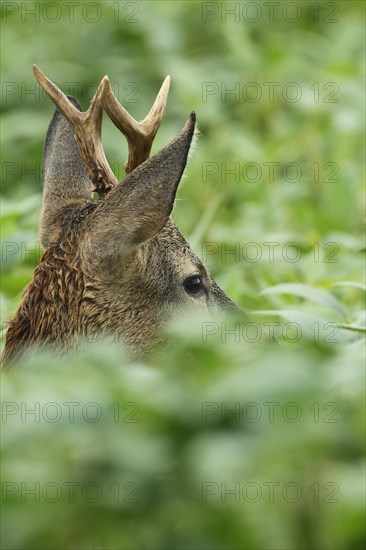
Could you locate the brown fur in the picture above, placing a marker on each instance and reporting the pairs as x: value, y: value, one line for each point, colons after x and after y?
x: 43, y: 316
x: 116, y: 267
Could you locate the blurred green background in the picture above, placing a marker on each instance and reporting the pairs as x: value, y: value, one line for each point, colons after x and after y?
x: 278, y: 89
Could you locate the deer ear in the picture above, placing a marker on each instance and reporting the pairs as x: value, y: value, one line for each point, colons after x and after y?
x: 139, y: 207
x: 64, y: 177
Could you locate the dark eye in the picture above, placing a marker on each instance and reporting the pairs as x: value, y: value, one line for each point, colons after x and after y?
x: 194, y: 285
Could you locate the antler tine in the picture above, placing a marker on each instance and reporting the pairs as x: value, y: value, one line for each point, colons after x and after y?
x: 87, y: 128
x: 139, y: 135
x: 155, y: 116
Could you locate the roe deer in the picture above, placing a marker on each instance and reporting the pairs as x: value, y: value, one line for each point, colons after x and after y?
x: 117, y: 265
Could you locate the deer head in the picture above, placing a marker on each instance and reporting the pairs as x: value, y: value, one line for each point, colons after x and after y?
x: 118, y: 265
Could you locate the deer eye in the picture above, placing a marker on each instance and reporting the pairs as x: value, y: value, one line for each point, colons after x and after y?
x: 194, y: 285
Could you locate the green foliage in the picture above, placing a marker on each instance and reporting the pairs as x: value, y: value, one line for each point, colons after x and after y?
x: 209, y: 445
x: 287, y: 246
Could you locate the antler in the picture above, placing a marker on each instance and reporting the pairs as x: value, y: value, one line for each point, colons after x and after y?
x: 87, y: 127
x: 139, y: 135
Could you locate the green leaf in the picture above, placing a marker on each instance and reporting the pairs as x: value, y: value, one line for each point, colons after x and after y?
x: 354, y: 328
x: 354, y: 284
x: 316, y: 295
x: 312, y: 327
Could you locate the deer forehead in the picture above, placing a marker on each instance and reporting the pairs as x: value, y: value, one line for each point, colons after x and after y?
x: 169, y: 246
